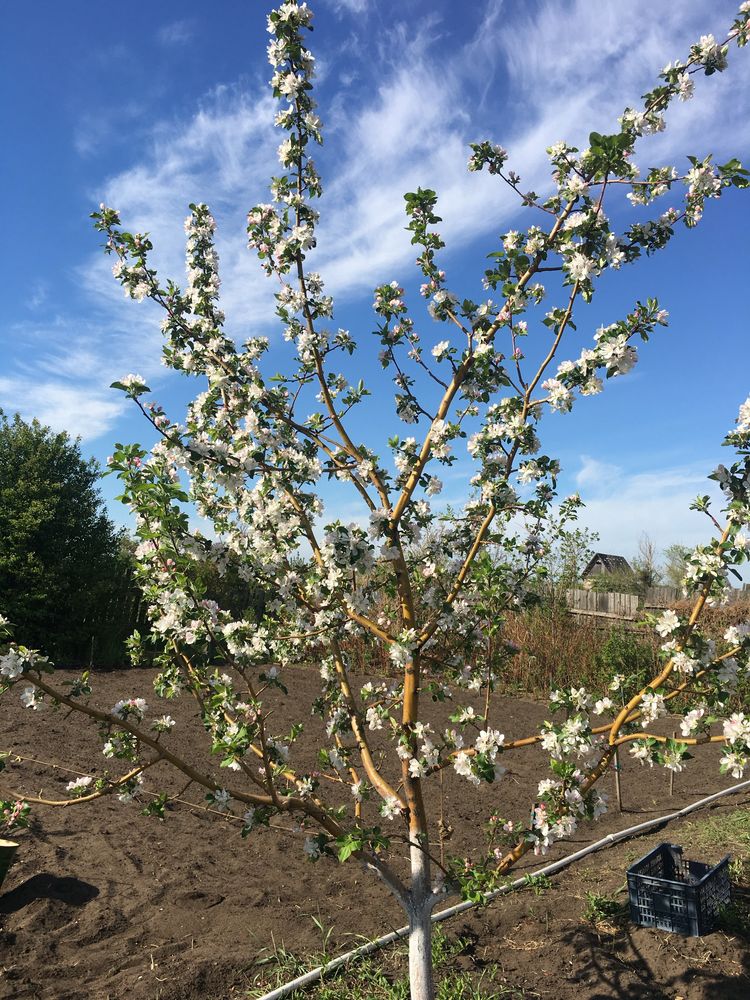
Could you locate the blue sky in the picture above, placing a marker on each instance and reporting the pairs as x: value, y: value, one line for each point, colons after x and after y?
x: 148, y: 107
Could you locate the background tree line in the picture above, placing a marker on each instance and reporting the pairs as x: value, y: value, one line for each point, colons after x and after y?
x: 67, y: 578
x: 67, y: 573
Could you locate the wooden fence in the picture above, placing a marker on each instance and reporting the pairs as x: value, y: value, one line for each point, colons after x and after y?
x: 629, y: 607
x: 665, y: 597
x: 603, y: 605
x: 661, y: 597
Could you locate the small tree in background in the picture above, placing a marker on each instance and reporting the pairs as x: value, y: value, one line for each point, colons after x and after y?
x: 676, y: 559
x: 252, y: 453
x: 569, y: 555
x: 646, y: 565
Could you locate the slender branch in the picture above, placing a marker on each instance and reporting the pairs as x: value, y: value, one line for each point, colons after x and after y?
x: 462, y: 372
x: 688, y: 741
x: 98, y: 794
x: 379, y: 783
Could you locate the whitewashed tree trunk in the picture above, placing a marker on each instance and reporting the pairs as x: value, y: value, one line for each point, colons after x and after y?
x: 421, y: 901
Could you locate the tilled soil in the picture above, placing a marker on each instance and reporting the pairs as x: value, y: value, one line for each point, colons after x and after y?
x: 105, y: 903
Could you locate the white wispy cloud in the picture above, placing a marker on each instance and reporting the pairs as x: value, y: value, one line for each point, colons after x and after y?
x: 224, y: 155
x: 97, y: 130
x: 561, y: 73
x: 621, y: 505
x: 67, y: 364
x: 566, y: 72
x: 176, y: 32
x: 60, y: 405
x: 38, y: 295
x: 595, y: 474
x: 349, y: 6
x: 413, y: 129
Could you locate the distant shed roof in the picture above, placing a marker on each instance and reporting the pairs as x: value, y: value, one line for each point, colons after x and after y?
x: 603, y: 562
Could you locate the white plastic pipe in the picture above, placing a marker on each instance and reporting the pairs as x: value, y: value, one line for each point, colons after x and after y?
x: 612, y: 838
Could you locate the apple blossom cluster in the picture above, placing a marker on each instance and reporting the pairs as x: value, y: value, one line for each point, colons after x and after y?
x: 561, y: 807
x: 32, y: 697
x: 80, y: 786
x: 14, y: 815
x: 17, y: 660
x: 736, y: 754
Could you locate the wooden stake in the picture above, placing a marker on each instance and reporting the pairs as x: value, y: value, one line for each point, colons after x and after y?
x: 618, y: 789
x: 671, y: 773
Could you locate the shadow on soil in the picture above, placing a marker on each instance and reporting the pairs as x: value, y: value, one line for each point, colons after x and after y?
x: 45, y: 886
x: 635, y: 966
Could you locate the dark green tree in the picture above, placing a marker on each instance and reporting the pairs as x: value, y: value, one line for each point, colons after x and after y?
x: 59, y: 552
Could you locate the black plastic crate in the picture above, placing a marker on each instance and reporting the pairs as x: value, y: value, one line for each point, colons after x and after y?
x: 672, y: 894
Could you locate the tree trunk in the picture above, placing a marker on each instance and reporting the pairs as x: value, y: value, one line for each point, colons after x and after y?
x: 420, y: 928
x: 420, y: 956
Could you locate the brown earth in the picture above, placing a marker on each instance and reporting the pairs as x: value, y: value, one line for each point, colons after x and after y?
x: 104, y: 903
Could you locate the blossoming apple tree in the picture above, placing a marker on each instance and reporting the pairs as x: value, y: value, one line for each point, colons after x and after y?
x: 424, y: 583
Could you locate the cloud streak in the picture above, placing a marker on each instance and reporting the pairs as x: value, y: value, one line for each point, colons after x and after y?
x: 565, y: 73
x: 60, y: 405
x: 560, y: 74
x: 176, y: 33
x: 349, y: 6
x: 66, y: 365
x: 621, y: 505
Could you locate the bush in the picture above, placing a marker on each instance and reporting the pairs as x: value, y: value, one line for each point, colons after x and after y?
x: 624, y: 652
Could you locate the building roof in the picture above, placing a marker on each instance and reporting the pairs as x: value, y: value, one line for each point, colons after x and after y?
x: 609, y: 564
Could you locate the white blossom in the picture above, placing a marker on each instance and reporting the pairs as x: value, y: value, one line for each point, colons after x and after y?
x: 390, y: 808
x: 737, y: 729
x: 131, y: 789
x: 489, y: 742
x: 734, y: 763
x: 416, y: 768
x: 668, y: 623
x: 580, y: 267
x: 163, y: 724
x: 130, y: 708
x: 79, y: 786
x: 642, y: 753
x: 691, y: 722
x: 32, y: 698
x: 222, y: 798
x: 652, y: 707
x: 11, y: 665
x: 462, y: 766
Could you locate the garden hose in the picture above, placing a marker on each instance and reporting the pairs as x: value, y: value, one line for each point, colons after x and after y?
x: 612, y: 838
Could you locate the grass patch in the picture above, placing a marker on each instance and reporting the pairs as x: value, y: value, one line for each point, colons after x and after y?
x: 385, y: 976
x: 604, y: 909
x: 734, y: 919
x: 728, y: 832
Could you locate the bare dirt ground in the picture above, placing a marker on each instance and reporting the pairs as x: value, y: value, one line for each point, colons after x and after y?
x: 105, y: 903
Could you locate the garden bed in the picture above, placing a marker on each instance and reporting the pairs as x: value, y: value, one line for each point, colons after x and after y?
x: 105, y: 903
